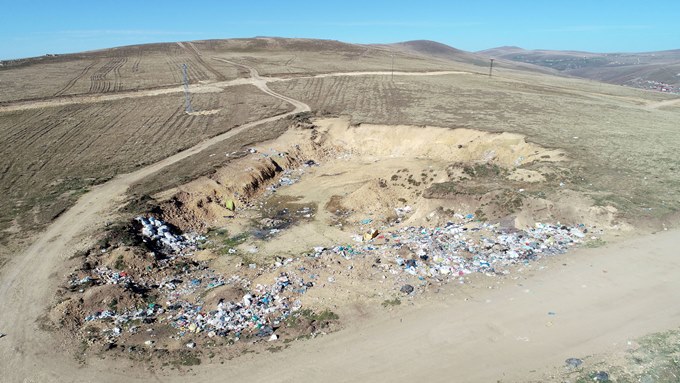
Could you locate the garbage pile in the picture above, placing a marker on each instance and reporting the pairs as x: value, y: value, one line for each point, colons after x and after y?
x: 259, y: 312
x: 161, y: 235
x: 290, y: 176
x: 458, y: 249
x: 181, y: 283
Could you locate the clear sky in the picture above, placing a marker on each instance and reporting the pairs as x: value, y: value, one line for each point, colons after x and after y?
x: 36, y: 27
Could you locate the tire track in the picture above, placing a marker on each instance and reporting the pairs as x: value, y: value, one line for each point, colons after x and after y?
x: 183, y: 129
x: 135, y: 65
x: 83, y: 148
x: 136, y: 134
x: 65, y: 142
x: 74, y: 80
x: 195, y: 71
x: 15, y: 131
x: 98, y: 80
x: 42, y: 131
x: 117, y: 77
x: 170, y: 121
x: 199, y: 57
x: 71, y: 133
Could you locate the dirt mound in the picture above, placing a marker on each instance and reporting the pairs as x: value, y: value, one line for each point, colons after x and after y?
x: 206, y: 202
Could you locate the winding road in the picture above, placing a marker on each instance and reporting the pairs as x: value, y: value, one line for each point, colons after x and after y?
x: 602, y: 297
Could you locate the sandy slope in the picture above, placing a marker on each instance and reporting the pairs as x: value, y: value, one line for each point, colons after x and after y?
x: 601, y: 298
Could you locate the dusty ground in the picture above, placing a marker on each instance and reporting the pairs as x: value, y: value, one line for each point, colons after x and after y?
x: 476, y: 332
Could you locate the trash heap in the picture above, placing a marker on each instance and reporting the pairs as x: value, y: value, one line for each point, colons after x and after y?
x: 259, y: 312
x: 290, y: 176
x: 119, y: 319
x: 180, y: 282
x: 458, y: 249
x: 161, y: 235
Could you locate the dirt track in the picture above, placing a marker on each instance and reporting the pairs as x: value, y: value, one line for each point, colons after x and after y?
x: 661, y: 104
x: 195, y: 88
x: 604, y: 296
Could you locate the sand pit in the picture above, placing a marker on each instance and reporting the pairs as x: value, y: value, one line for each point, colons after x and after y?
x: 394, y: 175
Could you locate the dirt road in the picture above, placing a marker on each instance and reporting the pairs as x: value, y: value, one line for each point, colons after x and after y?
x: 207, y: 87
x: 601, y: 298
x: 661, y: 104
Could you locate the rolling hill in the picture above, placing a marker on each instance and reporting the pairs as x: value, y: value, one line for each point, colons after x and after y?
x: 436, y: 50
x: 647, y: 70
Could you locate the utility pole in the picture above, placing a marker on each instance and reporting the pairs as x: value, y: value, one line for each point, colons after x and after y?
x: 187, y: 96
x: 490, y: 67
x: 392, y: 78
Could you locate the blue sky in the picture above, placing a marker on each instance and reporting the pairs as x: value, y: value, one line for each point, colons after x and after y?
x: 32, y: 28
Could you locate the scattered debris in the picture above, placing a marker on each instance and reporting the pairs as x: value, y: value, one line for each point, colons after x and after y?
x: 573, y: 362
x: 601, y: 376
x: 407, y: 289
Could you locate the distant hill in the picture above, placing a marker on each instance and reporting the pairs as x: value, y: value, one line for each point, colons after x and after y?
x: 647, y: 70
x: 433, y: 49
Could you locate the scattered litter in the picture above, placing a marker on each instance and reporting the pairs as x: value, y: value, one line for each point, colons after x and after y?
x: 407, y: 289
x: 573, y: 362
x: 369, y: 235
x: 601, y: 376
